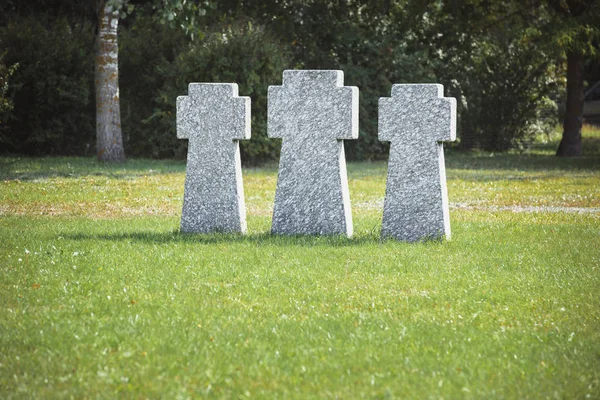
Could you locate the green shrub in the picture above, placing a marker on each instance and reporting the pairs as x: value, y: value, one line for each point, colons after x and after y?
x: 248, y: 56
x: 6, y: 103
x: 499, y: 65
x: 147, y: 51
x: 52, y: 89
x: 501, y: 79
x: 374, y: 69
x: 505, y: 99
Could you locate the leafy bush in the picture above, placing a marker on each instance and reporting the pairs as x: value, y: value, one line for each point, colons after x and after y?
x: 374, y: 70
x: 505, y: 98
x: 358, y: 38
x: 52, y: 89
x: 498, y: 64
x: 147, y: 51
x: 245, y: 55
x: 495, y: 67
x: 6, y: 103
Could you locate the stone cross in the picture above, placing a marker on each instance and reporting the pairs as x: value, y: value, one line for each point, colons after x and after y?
x: 214, y: 119
x: 312, y: 112
x: 416, y: 119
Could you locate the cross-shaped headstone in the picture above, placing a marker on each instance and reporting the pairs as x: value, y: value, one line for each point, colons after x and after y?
x: 416, y: 119
x: 312, y: 112
x: 214, y: 119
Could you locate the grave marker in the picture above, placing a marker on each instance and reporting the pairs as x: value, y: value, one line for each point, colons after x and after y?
x: 214, y: 119
x: 416, y: 119
x: 312, y: 111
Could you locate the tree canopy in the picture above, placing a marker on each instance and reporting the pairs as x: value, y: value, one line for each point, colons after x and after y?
x: 509, y: 63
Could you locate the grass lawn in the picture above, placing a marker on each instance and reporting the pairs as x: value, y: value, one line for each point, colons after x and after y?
x: 101, y: 297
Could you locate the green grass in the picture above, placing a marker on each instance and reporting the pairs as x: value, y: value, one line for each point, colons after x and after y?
x: 102, y: 297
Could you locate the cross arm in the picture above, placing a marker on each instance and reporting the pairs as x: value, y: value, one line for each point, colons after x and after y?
x: 418, y: 108
x: 385, y: 122
x: 234, y: 110
x: 276, y: 112
x: 183, y: 113
x: 347, y: 108
x: 241, y: 118
x: 446, y: 115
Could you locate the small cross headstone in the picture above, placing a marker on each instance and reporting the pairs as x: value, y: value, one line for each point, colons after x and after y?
x: 312, y: 112
x: 214, y: 119
x: 416, y: 119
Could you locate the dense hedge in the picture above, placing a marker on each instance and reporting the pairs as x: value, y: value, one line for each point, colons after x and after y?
x: 502, y: 84
x: 52, y: 89
x: 244, y: 55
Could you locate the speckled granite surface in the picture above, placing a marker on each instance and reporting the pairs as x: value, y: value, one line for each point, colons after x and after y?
x: 213, y: 118
x: 312, y: 112
x: 416, y: 119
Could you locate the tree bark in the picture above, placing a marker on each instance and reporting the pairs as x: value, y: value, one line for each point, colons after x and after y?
x: 109, y: 138
x: 570, y: 145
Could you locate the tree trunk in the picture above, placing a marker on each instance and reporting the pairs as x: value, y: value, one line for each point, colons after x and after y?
x: 570, y: 145
x: 109, y: 139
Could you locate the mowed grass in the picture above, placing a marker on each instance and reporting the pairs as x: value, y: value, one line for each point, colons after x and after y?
x: 102, y: 297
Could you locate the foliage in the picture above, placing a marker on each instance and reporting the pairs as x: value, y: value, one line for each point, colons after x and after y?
x: 576, y: 31
x: 6, y: 103
x: 501, y: 59
x: 102, y: 297
x: 183, y: 14
x: 496, y: 62
x: 506, y: 97
x: 360, y: 38
x: 239, y: 53
x: 575, y: 26
x: 52, y: 89
x: 151, y: 49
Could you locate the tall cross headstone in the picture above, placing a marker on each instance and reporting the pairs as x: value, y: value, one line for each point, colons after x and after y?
x: 312, y: 112
x: 214, y: 119
x: 416, y: 119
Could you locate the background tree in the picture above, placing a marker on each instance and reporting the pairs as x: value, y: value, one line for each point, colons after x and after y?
x: 492, y: 56
x: 502, y: 59
x: 109, y: 137
x: 578, y: 32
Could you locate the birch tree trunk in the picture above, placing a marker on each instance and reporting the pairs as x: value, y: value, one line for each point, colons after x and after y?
x: 109, y: 139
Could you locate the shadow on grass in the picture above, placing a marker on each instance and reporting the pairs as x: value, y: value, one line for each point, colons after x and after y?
x: 262, y: 239
x: 518, y: 162
x: 31, y: 168
x: 541, y: 158
x: 471, y: 165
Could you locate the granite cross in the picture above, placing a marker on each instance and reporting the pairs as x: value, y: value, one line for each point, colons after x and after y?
x: 416, y: 119
x: 214, y: 119
x: 312, y: 112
